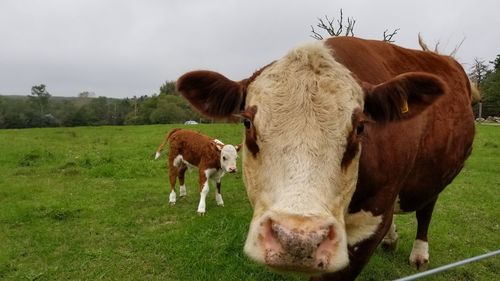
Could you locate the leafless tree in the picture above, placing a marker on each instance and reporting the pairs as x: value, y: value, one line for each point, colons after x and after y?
x: 436, y: 46
x: 388, y: 36
x: 330, y: 26
x: 478, y: 71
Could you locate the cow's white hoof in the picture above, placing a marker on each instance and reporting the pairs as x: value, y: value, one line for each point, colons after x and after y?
x: 171, y: 203
x: 419, y: 257
x: 420, y: 263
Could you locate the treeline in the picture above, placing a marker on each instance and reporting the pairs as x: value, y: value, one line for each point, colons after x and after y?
x: 40, y: 109
x: 487, y: 77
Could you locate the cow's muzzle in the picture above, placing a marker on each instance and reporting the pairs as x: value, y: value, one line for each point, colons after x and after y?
x: 295, y: 244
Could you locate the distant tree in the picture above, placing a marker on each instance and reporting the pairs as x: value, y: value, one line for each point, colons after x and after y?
x: 496, y: 63
x: 168, y: 88
x: 40, y: 96
x: 336, y: 28
x: 17, y: 113
x: 98, y: 110
x: 478, y: 72
x: 86, y: 94
x: 3, y: 110
x: 491, y: 90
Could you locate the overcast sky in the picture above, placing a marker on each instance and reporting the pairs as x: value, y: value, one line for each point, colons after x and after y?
x: 122, y: 48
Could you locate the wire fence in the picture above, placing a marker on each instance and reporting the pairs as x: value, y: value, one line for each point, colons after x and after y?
x: 448, y: 266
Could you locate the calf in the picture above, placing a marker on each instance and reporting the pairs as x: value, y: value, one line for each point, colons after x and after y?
x: 189, y: 149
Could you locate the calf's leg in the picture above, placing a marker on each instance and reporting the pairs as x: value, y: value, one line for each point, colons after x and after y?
x: 218, y: 196
x: 172, y: 172
x: 182, y: 188
x: 204, y: 188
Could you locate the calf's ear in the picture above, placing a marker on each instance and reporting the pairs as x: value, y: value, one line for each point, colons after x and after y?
x: 238, y: 147
x: 211, y: 93
x: 402, y: 97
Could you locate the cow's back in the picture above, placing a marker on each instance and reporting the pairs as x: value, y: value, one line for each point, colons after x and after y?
x: 419, y: 156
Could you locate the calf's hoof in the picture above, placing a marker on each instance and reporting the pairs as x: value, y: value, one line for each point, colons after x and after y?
x: 201, y: 211
x: 182, y: 191
x: 171, y: 203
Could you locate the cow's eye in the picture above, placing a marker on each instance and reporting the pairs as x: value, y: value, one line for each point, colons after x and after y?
x: 223, y: 158
x: 247, y: 123
x: 360, y: 128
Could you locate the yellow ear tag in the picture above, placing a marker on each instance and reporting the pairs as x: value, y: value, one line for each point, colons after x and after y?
x: 404, y: 107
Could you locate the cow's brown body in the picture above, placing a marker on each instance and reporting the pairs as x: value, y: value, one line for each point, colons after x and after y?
x: 403, y: 165
x: 416, y: 158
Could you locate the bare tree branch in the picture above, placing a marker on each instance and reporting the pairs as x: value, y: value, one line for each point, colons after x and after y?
x: 457, y: 47
x: 330, y: 26
x: 436, y: 46
x: 388, y: 36
x: 316, y: 35
x: 424, y: 46
x: 422, y: 43
x: 350, y: 26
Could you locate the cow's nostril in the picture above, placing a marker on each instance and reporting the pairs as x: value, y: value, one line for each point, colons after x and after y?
x: 289, y: 242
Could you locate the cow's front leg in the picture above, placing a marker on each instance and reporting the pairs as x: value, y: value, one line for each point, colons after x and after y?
x: 419, y: 257
x: 204, y: 188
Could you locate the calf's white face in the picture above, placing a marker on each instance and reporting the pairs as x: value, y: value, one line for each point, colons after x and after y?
x: 302, y: 116
x: 228, y: 158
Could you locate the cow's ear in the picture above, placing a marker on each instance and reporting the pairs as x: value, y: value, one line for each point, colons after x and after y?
x: 402, y: 97
x: 211, y: 93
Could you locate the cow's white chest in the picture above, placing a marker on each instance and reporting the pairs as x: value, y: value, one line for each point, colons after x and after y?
x: 360, y: 226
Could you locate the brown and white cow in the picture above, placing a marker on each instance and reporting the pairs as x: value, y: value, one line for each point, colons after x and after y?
x: 340, y: 135
x: 189, y: 149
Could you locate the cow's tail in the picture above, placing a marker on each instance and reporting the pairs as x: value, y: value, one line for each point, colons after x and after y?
x: 165, y: 141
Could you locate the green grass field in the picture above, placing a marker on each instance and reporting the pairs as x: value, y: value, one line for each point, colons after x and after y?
x: 91, y: 204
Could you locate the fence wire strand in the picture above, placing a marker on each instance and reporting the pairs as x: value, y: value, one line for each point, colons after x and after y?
x: 448, y: 266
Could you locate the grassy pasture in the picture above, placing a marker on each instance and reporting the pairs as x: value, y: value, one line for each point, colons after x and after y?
x: 91, y: 204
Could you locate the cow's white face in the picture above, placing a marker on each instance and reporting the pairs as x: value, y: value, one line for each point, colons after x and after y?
x: 301, y: 112
x: 303, y: 116
x: 228, y: 158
